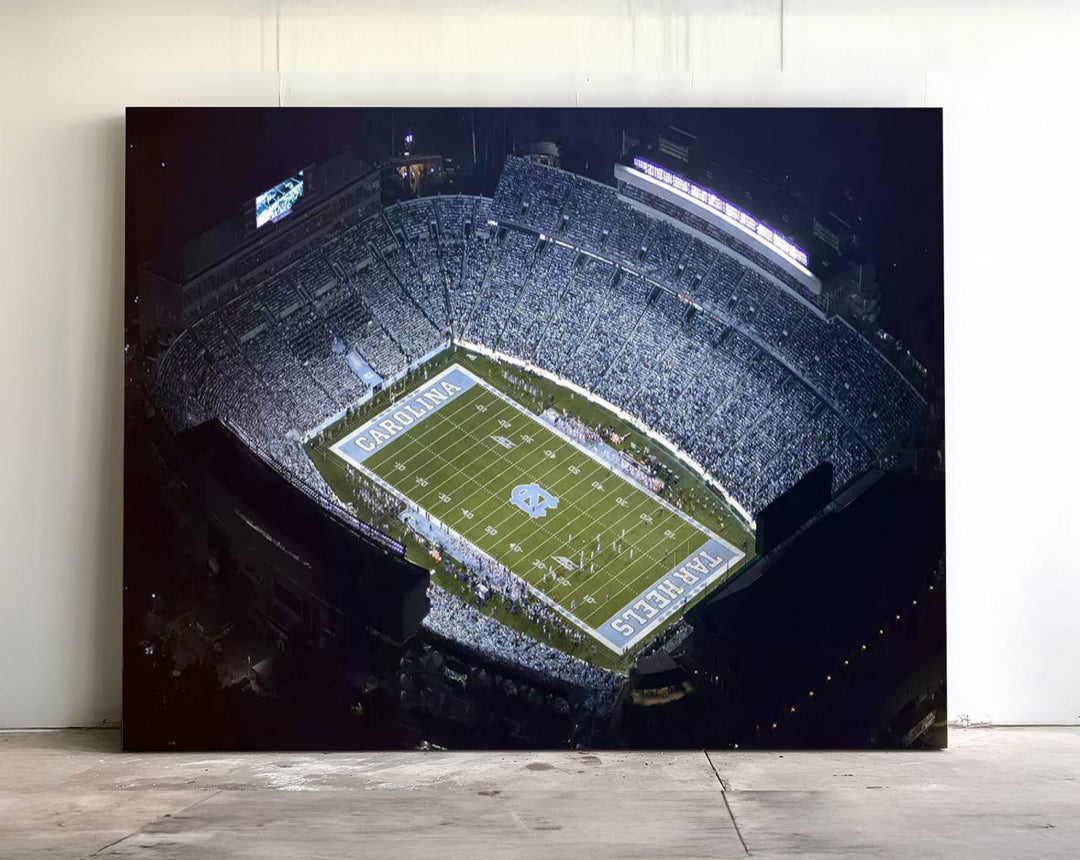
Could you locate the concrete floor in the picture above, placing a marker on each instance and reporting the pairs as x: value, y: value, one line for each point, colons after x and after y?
x: 995, y: 793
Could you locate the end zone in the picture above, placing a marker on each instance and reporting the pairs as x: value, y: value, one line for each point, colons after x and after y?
x: 407, y: 412
x: 670, y: 593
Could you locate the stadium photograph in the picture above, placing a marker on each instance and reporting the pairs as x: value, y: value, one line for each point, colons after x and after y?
x: 534, y: 428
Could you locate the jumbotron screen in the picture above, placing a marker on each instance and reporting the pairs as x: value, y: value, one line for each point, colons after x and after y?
x: 275, y: 204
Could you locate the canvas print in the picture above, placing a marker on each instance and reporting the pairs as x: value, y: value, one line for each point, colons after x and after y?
x: 534, y: 428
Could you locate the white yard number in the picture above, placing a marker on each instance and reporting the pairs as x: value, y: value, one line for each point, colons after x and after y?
x: 549, y: 453
x: 539, y: 565
x: 563, y: 581
x: 645, y: 518
x: 490, y: 530
x: 525, y: 437
x: 480, y: 407
x: 669, y: 534
x: 620, y: 501
x: 573, y: 470
x: 399, y: 466
x: 504, y: 424
x: 515, y: 547
x: 467, y: 513
x: 588, y: 598
x: 445, y: 499
x: 422, y: 482
x: 596, y: 485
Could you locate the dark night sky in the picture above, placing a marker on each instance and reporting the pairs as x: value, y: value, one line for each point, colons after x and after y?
x: 188, y: 169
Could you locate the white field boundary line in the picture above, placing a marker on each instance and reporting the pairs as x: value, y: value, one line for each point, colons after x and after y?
x: 702, y: 472
x: 568, y: 614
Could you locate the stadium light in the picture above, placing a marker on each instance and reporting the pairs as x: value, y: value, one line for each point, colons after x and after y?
x: 727, y: 211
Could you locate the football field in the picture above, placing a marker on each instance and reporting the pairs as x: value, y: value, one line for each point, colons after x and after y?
x: 613, y: 558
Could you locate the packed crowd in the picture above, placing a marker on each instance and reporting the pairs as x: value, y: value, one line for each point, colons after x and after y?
x: 455, y: 619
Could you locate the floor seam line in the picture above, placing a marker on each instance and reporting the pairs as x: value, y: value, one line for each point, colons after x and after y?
x: 727, y: 805
x: 142, y: 827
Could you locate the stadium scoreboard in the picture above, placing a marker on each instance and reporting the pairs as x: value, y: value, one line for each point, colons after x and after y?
x: 274, y: 204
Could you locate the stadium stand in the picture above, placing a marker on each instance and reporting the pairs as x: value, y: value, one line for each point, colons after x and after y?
x: 502, y: 287
x: 585, y: 212
x: 551, y: 270
x: 624, y: 237
x: 664, y: 248
x: 753, y: 384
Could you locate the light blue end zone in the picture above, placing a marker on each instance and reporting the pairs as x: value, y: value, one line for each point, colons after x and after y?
x: 668, y: 595
x: 396, y: 420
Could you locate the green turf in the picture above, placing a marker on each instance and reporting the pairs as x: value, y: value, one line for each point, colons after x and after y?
x: 698, y: 502
x: 451, y: 467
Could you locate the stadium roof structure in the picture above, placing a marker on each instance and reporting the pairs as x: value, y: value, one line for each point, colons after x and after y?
x: 869, y: 553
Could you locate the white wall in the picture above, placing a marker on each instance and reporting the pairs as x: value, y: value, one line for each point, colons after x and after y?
x: 1005, y: 77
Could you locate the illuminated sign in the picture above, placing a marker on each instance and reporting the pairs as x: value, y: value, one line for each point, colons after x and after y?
x: 731, y: 213
x: 275, y: 204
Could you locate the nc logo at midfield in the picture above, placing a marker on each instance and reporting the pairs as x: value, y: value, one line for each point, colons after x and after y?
x: 532, y: 499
